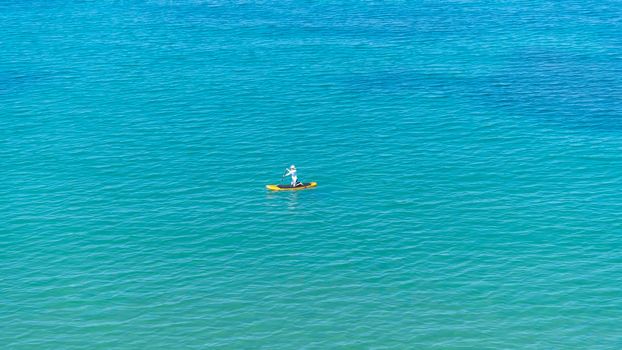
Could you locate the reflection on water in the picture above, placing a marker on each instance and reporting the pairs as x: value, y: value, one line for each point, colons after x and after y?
x: 276, y: 198
x: 292, y: 200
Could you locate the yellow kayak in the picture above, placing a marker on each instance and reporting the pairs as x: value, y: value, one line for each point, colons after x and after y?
x: 302, y: 186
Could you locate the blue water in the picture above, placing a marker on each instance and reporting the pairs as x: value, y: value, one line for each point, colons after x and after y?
x: 468, y: 156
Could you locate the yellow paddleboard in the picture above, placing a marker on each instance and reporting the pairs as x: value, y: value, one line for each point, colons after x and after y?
x: 303, y: 186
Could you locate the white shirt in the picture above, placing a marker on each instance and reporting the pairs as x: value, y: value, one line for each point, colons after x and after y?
x: 293, y: 173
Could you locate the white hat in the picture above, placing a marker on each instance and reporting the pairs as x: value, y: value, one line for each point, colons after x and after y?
x: 292, y: 167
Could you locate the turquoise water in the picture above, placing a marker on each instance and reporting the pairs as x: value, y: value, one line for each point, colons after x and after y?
x: 467, y: 154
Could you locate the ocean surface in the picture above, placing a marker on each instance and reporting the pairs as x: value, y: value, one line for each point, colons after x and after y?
x: 468, y: 155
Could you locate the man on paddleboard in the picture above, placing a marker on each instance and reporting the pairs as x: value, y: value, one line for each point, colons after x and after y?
x: 295, y: 184
x: 292, y: 172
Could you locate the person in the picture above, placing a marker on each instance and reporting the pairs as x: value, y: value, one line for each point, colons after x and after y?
x: 292, y: 172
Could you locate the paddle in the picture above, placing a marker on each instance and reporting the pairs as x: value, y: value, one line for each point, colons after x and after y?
x: 282, y: 177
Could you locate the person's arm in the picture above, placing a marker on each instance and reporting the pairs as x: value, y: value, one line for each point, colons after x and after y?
x: 288, y: 172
